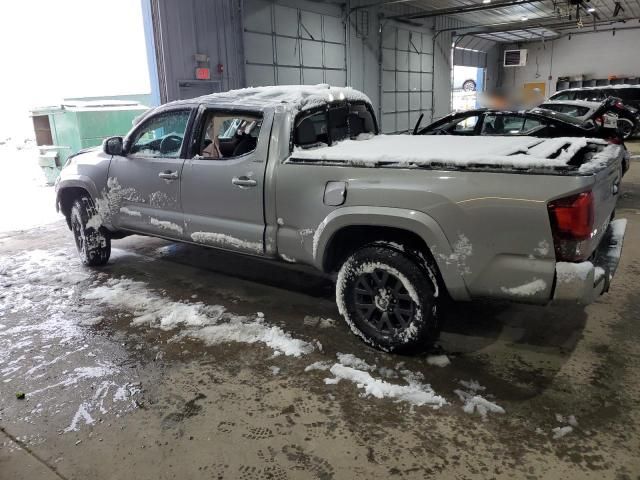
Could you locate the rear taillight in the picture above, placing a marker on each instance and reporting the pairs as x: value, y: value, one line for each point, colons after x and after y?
x: 615, y: 140
x: 572, y: 221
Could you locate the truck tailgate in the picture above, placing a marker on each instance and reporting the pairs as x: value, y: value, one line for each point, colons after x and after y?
x: 605, y: 191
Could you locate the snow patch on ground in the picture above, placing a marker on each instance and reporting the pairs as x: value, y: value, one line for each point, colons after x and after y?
x: 323, y: 366
x: 319, y: 322
x: 475, y: 403
x: 438, y: 360
x: 350, y: 360
x: 209, y: 323
x: 560, y: 432
x: 415, y: 393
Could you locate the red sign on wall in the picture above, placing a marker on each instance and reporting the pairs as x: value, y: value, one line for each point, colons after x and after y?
x: 203, y: 73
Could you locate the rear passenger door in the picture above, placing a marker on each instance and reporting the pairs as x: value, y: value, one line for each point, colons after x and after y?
x: 222, y: 184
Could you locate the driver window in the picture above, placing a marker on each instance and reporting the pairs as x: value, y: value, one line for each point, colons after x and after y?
x: 162, y: 136
x: 227, y: 135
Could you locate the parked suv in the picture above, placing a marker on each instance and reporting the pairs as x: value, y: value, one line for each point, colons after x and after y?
x: 629, y: 94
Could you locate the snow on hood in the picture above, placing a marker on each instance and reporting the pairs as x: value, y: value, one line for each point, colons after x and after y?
x: 301, y: 97
x: 405, y: 150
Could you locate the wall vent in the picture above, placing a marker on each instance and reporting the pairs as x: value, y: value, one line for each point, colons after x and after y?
x: 515, y: 58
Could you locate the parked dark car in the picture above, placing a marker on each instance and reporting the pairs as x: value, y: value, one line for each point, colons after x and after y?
x: 537, y: 123
x: 629, y: 95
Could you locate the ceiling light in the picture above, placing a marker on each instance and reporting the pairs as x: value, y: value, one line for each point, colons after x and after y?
x: 486, y: 1
x: 591, y: 9
x: 523, y: 19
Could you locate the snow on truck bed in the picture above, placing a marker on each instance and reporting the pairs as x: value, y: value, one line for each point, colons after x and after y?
x: 458, y: 151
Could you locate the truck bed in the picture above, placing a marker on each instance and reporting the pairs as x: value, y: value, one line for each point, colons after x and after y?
x: 578, y: 156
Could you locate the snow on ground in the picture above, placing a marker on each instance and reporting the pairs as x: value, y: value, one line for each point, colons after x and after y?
x: 475, y: 403
x: 34, y: 355
x: 353, y: 369
x: 210, y: 323
x: 438, y: 360
x: 26, y: 201
x: 414, y: 393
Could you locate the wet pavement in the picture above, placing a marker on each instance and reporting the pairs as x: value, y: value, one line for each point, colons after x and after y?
x: 117, y: 387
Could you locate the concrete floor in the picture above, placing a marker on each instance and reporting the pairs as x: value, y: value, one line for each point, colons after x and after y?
x: 108, y: 400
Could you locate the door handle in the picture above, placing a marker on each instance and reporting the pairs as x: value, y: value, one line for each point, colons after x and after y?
x: 169, y: 175
x: 244, y: 181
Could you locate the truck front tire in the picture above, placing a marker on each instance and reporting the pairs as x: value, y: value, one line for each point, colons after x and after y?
x: 389, y: 298
x: 92, y: 241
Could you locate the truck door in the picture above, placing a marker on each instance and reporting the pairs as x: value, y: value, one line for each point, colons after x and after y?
x: 222, y: 185
x: 144, y: 184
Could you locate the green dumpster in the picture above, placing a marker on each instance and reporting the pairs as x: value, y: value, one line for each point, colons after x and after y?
x: 62, y: 130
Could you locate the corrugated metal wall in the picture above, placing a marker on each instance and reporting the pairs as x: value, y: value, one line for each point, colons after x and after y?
x: 288, y: 45
x: 271, y: 42
x: 407, y: 76
x: 184, y: 28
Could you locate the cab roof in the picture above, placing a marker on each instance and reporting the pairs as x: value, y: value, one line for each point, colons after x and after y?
x: 298, y: 97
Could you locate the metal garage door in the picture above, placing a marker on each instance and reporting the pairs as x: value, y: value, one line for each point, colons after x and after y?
x: 285, y: 45
x: 407, y: 78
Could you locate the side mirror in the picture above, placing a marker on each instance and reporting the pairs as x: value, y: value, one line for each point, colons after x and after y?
x: 113, y: 146
x: 589, y: 125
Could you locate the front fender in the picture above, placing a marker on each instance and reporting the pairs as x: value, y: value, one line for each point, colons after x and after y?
x: 417, y: 222
x: 75, y: 181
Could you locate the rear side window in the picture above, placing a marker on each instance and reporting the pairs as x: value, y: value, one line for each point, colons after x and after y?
x: 332, y: 125
x: 229, y: 135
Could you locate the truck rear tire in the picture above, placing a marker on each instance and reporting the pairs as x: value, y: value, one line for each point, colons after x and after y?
x: 389, y: 298
x: 92, y: 241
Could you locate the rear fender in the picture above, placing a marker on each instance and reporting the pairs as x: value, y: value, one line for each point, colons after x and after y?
x: 416, y: 222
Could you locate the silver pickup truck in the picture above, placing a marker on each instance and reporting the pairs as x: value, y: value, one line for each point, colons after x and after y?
x: 300, y: 174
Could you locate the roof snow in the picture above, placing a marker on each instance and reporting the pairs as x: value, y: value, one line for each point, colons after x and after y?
x: 300, y: 97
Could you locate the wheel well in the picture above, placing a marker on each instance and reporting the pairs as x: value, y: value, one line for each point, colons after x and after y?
x: 347, y: 240
x: 66, y: 198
